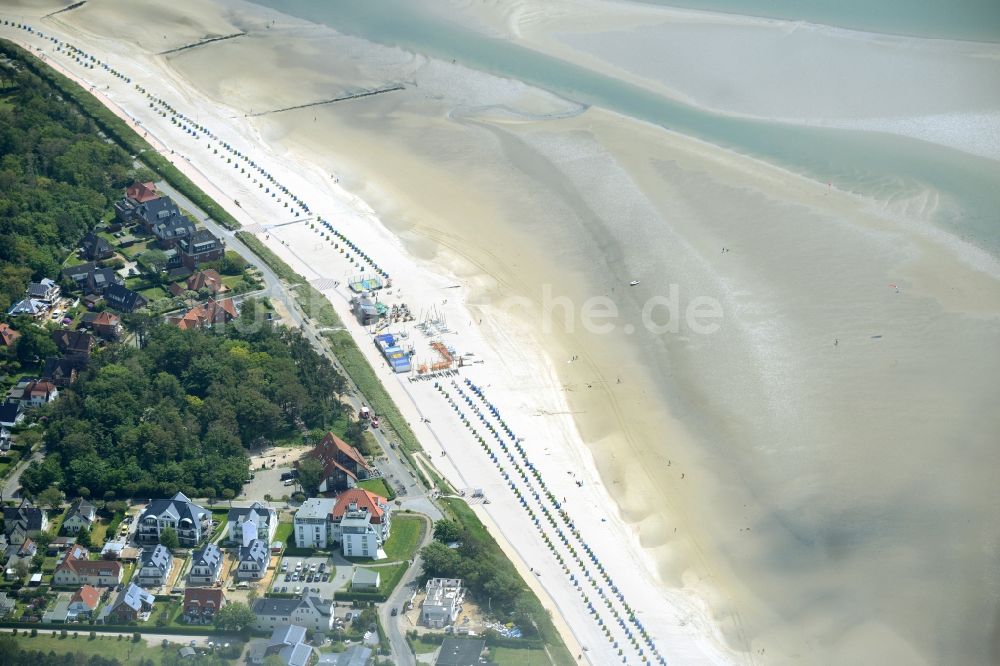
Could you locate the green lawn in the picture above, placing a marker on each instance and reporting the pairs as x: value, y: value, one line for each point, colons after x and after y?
x: 99, y: 533
x: 377, y: 486
x: 419, y: 647
x: 106, y: 646
x: 364, y: 377
x: 404, y: 537
x: 154, y: 293
x: 519, y: 657
x: 284, y: 533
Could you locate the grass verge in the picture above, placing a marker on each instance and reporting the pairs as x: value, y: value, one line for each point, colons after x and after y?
x: 460, y: 511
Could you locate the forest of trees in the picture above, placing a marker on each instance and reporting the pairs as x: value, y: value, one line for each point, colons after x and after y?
x: 58, y: 176
x: 180, y: 413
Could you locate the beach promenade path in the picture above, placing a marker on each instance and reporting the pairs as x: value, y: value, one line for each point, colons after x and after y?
x: 410, y: 493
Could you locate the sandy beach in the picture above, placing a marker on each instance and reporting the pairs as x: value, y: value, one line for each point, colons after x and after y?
x: 759, y: 494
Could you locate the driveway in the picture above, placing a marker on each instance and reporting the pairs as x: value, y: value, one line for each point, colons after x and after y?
x: 12, y: 486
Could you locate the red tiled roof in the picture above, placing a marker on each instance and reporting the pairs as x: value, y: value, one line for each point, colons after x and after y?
x: 203, y: 596
x: 142, y: 192
x: 212, y: 312
x: 364, y: 499
x: 207, y: 278
x: 76, y: 561
x: 7, y: 335
x: 331, y: 444
x: 89, y: 595
x: 106, y: 319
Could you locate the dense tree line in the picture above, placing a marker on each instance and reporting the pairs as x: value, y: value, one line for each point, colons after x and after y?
x: 58, y: 176
x: 485, y: 571
x: 181, y: 412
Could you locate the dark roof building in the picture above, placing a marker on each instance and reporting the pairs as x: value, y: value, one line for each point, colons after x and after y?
x: 201, y: 247
x: 73, y: 343
x: 95, y: 248
x: 62, y: 371
x: 460, y: 652
x: 123, y: 299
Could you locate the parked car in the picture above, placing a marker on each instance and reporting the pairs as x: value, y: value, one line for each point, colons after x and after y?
x: 395, y: 612
x: 326, y: 577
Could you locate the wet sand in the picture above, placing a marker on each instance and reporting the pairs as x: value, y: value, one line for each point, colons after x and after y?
x: 786, y: 470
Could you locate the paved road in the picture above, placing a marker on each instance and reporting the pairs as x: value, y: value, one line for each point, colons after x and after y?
x: 395, y: 470
x: 12, y: 486
x: 393, y: 629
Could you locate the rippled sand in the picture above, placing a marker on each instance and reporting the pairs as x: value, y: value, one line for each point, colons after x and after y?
x: 821, y: 467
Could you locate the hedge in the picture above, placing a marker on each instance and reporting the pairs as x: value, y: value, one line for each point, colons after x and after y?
x: 122, y: 628
x: 119, y: 131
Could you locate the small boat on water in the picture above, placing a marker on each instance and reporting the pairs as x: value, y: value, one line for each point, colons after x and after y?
x: 633, y: 283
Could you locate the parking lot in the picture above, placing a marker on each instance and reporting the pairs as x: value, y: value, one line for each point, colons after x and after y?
x: 335, y: 577
x: 268, y: 481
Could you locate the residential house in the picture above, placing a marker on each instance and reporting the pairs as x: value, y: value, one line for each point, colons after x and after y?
x: 80, y: 514
x: 343, y: 465
x: 265, y: 519
x: 7, y: 335
x: 92, y: 279
x: 131, y: 605
x: 11, y: 413
x: 62, y: 371
x: 208, y: 279
x: 123, y: 299
x: 29, y: 306
x: 84, y: 602
x: 74, y: 344
x: 207, y: 315
x: 462, y: 652
x: 105, y: 324
x: 15, y: 536
x: 356, y: 655
x: 118, y: 549
x: 27, y: 549
x: 254, y: 557
x: 442, y: 603
x: 137, y: 193
x: 206, y: 566
x: 95, y: 248
x: 365, y: 579
x: 46, y: 290
x: 192, y: 522
x: 200, y: 247
x: 28, y: 517
x: 312, y: 523
x: 201, y: 604
x: 98, y: 280
x: 60, y: 545
x: 160, y: 217
x: 288, y: 643
x: 59, y: 612
x: 308, y: 611
x: 38, y: 392
x: 360, y: 523
x: 7, y: 605
x: 75, y: 569
x: 78, y: 272
x: 142, y: 192
x: 155, y: 566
